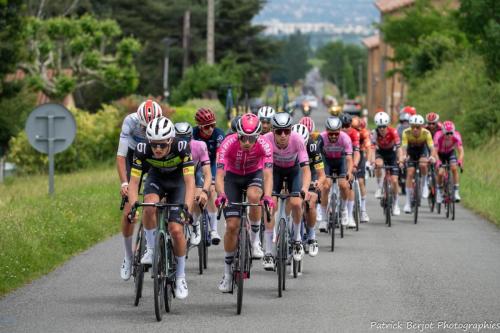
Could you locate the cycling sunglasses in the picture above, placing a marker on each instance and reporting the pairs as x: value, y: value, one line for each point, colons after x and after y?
x: 248, y: 138
x: 333, y: 134
x: 280, y: 131
x: 382, y: 127
x: 162, y: 145
x: 207, y: 126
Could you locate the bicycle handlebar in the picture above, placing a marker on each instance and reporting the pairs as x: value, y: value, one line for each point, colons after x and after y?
x: 244, y: 204
x: 136, y: 205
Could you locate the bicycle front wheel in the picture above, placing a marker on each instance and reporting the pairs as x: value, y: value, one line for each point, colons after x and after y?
x: 159, y: 274
x: 357, y: 204
x: 388, y: 203
x: 201, y: 246
x: 138, y: 267
x: 416, y: 197
x: 240, y: 272
x: 281, y: 256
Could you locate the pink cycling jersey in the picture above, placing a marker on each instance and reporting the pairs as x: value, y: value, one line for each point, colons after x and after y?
x: 232, y: 158
x: 447, y: 143
x: 199, y: 152
x: 294, y: 152
x: 337, y: 149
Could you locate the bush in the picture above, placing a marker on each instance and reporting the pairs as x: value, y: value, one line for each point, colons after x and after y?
x: 187, y: 111
x: 96, y: 140
x: 461, y: 91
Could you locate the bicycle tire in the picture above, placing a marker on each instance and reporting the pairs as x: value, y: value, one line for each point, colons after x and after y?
x: 357, y: 204
x: 170, y: 269
x: 206, y: 239
x: 295, y: 268
x: 201, y: 246
x: 416, y: 196
x: 388, y: 203
x: 438, y: 208
x: 159, y: 274
x: 242, y: 248
x: 138, y: 267
x: 281, y: 257
x: 333, y: 203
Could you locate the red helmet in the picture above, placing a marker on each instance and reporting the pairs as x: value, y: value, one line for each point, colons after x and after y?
x: 432, y: 118
x: 410, y: 110
x: 448, y: 127
x: 147, y: 111
x: 308, y: 122
x: 204, y: 116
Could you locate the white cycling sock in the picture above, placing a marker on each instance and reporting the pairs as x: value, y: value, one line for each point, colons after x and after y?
x: 379, y: 182
x: 254, y: 235
x: 343, y: 205
x: 296, y: 232
x: 127, y: 241
x: 228, y: 261
x: 150, y: 237
x: 311, y: 233
x: 213, y: 221
x: 323, y: 212
x: 268, y: 239
x: 181, y: 264
x: 350, y: 207
x: 409, y: 192
x: 363, y: 204
x: 196, y: 218
x: 396, y: 200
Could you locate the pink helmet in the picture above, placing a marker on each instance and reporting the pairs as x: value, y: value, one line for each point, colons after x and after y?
x: 308, y: 122
x: 448, y: 127
x: 249, y: 124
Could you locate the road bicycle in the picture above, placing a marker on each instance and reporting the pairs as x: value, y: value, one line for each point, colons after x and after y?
x: 448, y: 192
x: 357, y: 201
x: 387, y: 198
x: 333, y: 211
x: 431, y: 200
x: 164, y: 263
x: 242, y: 262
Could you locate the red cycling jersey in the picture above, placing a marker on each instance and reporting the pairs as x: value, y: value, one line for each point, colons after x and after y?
x: 388, y: 141
x: 354, y: 135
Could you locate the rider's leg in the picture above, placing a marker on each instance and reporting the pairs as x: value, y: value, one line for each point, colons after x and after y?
x: 254, y: 194
x: 410, y: 171
x: 296, y: 207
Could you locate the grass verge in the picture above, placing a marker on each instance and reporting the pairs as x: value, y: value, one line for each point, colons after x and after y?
x: 39, y: 233
x: 480, y: 182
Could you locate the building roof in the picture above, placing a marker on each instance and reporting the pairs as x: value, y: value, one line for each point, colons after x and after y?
x: 372, y: 41
x: 387, y: 6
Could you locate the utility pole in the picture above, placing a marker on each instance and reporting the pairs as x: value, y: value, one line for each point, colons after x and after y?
x: 185, y: 40
x: 210, y: 32
x: 360, y: 78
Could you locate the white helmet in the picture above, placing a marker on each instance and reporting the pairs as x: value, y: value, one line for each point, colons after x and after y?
x: 160, y: 129
x: 282, y: 120
x: 302, y: 130
x: 333, y: 123
x: 417, y: 120
x: 382, y: 119
x: 266, y: 113
x: 184, y: 129
x: 148, y: 111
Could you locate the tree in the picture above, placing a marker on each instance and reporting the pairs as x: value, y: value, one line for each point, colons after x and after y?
x: 291, y: 63
x: 66, y: 54
x: 11, y: 23
x: 480, y: 19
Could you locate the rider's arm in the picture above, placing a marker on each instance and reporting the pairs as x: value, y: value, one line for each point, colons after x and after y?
x: 349, y: 164
x: 122, y: 151
x: 190, y: 185
x: 460, y: 150
x: 268, y: 181
x: 121, y: 167
x: 133, y: 188
x: 306, y: 178
x: 207, y: 177
x: 219, y: 180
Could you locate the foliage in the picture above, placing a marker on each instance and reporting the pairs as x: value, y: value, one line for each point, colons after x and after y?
x: 291, y: 63
x: 40, y: 232
x: 11, y: 23
x: 96, y: 140
x: 202, y: 78
x: 342, y: 66
x: 480, y: 19
x: 423, y: 38
x: 461, y: 91
x: 66, y: 54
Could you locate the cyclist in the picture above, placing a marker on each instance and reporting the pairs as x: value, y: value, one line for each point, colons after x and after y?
x: 335, y: 147
x: 133, y: 131
x: 203, y: 176
x: 291, y: 164
x: 354, y: 135
x: 317, y: 180
x: 416, y: 143
x: 243, y: 162
x: 387, y: 152
x: 404, y: 123
x: 364, y: 151
x: 212, y: 136
x: 432, y: 123
x: 171, y: 171
x: 446, y: 141
x: 266, y: 113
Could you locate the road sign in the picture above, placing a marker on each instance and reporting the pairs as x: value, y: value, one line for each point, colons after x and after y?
x: 51, y: 128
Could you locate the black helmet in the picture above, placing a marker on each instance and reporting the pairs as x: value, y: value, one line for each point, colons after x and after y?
x: 346, y: 120
x: 234, y: 124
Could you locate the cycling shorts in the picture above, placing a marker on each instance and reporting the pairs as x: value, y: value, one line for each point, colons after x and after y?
x: 448, y: 158
x: 336, y: 166
x: 361, y: 165
x: 234, y: 185
x: 292, y: 176
x: 169, y: 186
x: 389, y: 157
x: 415, y: 153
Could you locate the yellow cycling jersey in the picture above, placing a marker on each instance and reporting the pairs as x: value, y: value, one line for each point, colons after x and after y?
x: 425, y: 137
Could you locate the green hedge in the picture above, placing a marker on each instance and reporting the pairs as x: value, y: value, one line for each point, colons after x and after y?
x: 461, y: 91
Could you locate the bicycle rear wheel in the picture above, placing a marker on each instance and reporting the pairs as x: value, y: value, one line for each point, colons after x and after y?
x: 159, y: 274
x: 138, y: 267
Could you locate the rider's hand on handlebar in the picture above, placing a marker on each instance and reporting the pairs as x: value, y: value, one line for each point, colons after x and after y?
x: 221, y: 200
x: 432, y: 160
x: 268, y: 201
x: 124, y: 189
x: 202, y: 199
x: 349, y: 176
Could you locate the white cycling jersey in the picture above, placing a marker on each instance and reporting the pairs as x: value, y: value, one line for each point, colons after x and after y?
x: 132, y: 133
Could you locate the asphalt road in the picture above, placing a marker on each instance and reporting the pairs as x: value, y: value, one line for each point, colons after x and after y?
x: 438, y: 270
